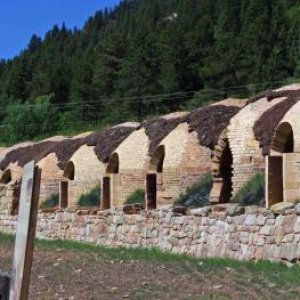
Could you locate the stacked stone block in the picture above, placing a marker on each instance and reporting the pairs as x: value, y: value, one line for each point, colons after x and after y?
x: 256, y: 234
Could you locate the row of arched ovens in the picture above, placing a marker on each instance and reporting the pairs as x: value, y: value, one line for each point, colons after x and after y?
x: 233, y: 139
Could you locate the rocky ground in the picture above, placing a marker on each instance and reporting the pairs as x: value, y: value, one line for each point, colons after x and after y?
x: 63, y: 271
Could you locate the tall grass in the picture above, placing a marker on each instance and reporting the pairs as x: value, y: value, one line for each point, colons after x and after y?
x: 51, y: 202
x: 253, y: 193
x: 136, y: 197
x: 91, y: 198
x: 197, y: 195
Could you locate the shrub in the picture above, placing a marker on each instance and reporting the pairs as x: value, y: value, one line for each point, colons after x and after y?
x: 51, y: 202
x: 253, y: 193
x: 91, y: 198
x: 136, y: 197
x: 197, y: 195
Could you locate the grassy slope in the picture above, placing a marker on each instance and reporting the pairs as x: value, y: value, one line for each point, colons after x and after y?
x: 262, y: 274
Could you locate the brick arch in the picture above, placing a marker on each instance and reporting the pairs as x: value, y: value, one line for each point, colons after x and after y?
x: 283, y: 140
x: 113, y: 164
x: 157, y: 160
x: 222, y: 170
x: 69, y: 172
x: 6, y: 177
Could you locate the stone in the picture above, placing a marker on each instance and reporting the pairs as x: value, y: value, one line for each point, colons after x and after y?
x: 297, y: 208
x: 267, y: 230
x: 289, y: 252
x: 250, y: 220
x: 279, y: 208
x: 288, y: 223
x: 131, y: 209
x: 180, y: 210
x: 252, y: 209
x: 288, y: 238
x: 220, y: 207
x: 261, y: 220
x: 201, y: 212
x: 177, y: 220
x: 235, y: 209
x: 297, y: 226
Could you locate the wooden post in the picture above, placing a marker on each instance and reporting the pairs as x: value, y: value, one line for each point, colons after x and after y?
x: 25, y: 234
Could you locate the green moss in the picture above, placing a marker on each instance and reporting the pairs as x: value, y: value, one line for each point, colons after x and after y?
x: 91, y: 198
x: 197, y: 195
x: 253, y: 193
x: 136, y: 197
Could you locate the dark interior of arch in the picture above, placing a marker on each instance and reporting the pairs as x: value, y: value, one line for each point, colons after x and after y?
x: 6, y: 177
x: 226, y: 174
x: 283, y: 141
x: 69, y: 172
x: 157, y: 161
x: 289, y: 145
x: 113, y: 164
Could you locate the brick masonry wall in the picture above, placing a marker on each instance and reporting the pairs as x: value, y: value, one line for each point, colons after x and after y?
x: 247, y: 156
x: 185, y: 162
x: 292, y: 117
x: 256, y: 234
x: 88, y: 173
x: 87, y: 165
x: 51, y: 174
x: 78, y: 188
x: 133, y: 164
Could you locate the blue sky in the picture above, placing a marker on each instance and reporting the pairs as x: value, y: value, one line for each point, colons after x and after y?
x: 21, y: 18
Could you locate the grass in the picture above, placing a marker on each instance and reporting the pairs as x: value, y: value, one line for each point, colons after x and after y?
x: 253, y: 193
x: 197, y: 195
x: 50, y: 202
x: 277, y: 273
x: 91, y: 198
x: 136, y: 197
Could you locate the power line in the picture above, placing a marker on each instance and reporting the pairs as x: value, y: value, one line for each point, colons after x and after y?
x: 175, y: 96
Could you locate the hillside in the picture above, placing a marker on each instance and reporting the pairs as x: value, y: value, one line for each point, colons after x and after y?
x: 144, y: 58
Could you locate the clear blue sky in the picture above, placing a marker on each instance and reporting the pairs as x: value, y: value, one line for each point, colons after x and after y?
x: 21, y: 18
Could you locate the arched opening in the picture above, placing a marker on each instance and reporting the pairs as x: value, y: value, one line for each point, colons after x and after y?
x: 280, y: 186
x: 283, y: 141
x: 154, y: 177
x: 69, y: 171
x: 6, y: 177
x: 226, y: 174
x: 69, y: 174
x: 222, y: 171
x: 113, y: 164
x: 157, y: 160
x: 110, y: 184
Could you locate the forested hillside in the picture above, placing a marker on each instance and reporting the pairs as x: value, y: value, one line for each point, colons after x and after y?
x: 147, y: 57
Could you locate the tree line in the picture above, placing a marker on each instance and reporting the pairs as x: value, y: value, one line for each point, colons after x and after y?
x: 144, y: 58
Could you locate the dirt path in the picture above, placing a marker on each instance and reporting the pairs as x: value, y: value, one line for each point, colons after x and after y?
x: 66, y: 274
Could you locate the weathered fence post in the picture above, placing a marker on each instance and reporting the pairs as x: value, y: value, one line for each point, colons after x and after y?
x: 26, y: 227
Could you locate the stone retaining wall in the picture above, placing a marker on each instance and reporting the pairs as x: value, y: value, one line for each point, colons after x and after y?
x: 255, y: 234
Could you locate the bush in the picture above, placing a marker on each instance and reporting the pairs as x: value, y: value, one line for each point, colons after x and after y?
x: 136, y: 197
x: 253, y: 193
x: 50, y: 202
x: 90, y: 199
x: 197, y: 195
